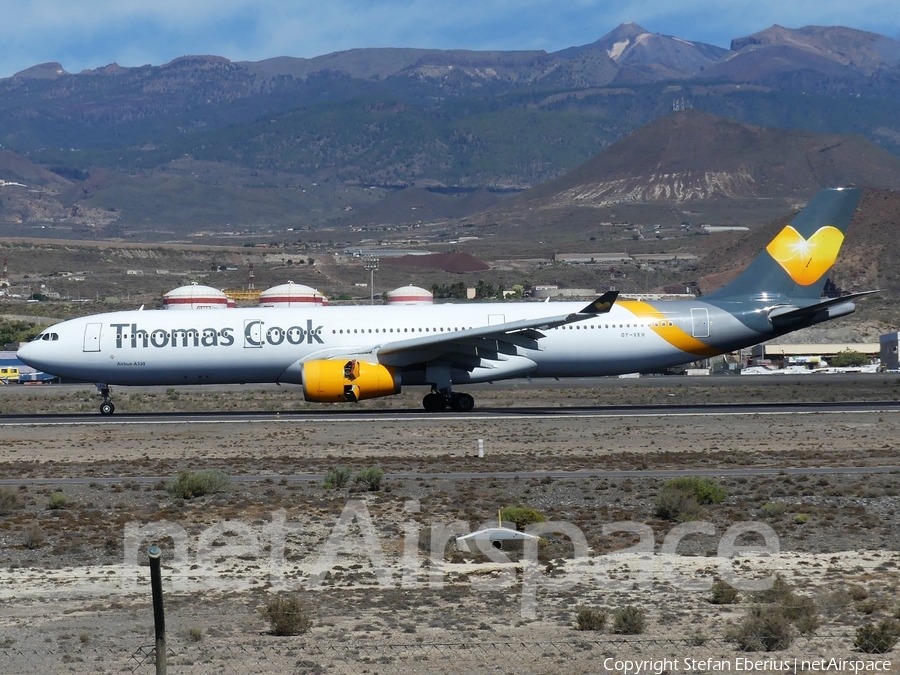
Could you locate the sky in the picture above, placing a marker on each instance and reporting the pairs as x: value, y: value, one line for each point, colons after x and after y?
x: 86, y: 35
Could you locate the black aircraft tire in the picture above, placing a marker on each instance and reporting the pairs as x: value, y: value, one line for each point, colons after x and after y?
x: 462, y: 402
x: 107, y: 408
x: 434, y: 402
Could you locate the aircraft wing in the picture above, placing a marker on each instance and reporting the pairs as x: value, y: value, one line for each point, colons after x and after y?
x: 466, y: 348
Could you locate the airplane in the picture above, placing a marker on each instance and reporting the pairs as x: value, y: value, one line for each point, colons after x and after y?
x: 349, y: 354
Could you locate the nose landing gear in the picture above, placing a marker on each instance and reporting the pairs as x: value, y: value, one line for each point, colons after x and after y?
x: 107, y: 407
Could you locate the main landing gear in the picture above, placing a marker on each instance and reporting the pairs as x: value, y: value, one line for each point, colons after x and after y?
x: 107, y: 407
x: 437, y: 401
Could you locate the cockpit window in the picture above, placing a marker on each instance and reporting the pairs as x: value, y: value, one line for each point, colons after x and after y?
x: 46, y: 336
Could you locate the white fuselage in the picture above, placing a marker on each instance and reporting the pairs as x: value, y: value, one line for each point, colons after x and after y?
x: 262, y: 344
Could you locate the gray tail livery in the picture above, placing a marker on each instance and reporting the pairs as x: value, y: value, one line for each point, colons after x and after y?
x: 796, y: 262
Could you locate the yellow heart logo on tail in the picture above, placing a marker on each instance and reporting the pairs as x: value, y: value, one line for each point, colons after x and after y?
x: 806, y: 260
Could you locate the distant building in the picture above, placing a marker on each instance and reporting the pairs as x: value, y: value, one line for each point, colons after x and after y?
x: 557, y: 292
x: 712, y: 229
x: 888, y: 351
x: 589, y: 258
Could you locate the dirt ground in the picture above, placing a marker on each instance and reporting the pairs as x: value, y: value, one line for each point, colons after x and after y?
x: 381, y: 580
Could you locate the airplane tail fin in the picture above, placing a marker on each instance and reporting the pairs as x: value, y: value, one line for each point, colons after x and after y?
x: 796, y: 262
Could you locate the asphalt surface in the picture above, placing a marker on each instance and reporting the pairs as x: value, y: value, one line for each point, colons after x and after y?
x: 345, y: 415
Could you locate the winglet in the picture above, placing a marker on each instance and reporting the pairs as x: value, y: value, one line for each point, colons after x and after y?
x: 602, y: 304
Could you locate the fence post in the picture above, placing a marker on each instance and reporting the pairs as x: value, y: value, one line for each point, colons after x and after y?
x: 159, y: 617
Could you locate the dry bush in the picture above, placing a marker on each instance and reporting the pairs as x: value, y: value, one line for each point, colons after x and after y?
x: 522, y: 516
x: 723, y: 593
x: 857, y: 592
x: 772, y: 623
x: 9, y: 501
x: 877, y: 638
x: 588, y: 618
x: 191, y: 484
x: 371, y: 478
x: 772, y: 509
x: 681, y: 499
x: 765, y: 628
x: 628, y: 621
x: 33, y: 537
x: 287, y: 615
x: 337, y: 479
x: 704, y: 490
x: 678, y: 506
x: 57, y: 501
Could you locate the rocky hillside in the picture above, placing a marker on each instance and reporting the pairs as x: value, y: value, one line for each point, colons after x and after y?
x: 691, y: 155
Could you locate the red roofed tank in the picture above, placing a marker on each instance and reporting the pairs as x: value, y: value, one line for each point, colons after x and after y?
x: 409, y: 295
x: 195, y: 296
x: 292, y: 295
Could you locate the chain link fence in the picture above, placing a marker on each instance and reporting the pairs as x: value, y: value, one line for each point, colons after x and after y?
x: 576, y: 656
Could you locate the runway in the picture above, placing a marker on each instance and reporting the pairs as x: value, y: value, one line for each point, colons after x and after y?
x: 345, y: 416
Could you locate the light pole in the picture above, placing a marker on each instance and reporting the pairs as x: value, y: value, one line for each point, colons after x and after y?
x: 372, y: 266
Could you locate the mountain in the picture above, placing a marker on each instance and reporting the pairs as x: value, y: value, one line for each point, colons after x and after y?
x: 651, y: 55
x: 692, y: 155
x: 830, y: 52
x: 455, y: 119
x: 860, y: 50
x: 43, y: 71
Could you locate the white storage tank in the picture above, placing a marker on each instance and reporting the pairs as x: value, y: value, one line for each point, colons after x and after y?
x: 409, y: 295
x: 292, y: 295
x: 195, y: 296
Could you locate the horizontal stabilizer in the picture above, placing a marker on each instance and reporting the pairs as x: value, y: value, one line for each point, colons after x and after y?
x: 784, y: 315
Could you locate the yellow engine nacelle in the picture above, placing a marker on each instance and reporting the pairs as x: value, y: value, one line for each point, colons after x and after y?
x: 339, y: 381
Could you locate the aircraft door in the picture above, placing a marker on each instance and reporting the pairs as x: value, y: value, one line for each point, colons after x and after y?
x: 700, y: 322
x: 92, y: 337
x: 253, y: 333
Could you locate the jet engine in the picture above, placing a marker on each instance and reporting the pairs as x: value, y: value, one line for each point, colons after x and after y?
x: 337, y: 381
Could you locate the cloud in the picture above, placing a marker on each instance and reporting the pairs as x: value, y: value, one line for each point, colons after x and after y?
x: 135, y: 32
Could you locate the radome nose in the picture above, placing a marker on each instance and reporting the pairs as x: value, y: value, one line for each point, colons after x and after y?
x: 27, y: 354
